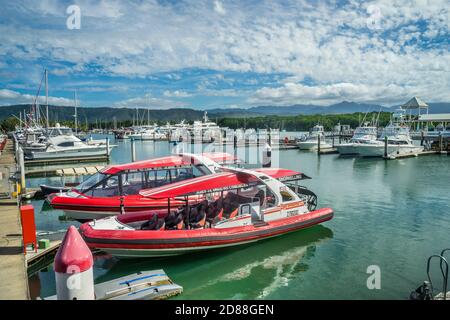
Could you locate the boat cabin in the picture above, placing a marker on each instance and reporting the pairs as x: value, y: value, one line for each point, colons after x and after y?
x: 129, y: 179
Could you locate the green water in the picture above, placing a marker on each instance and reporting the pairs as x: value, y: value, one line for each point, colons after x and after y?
x: 393, y: 214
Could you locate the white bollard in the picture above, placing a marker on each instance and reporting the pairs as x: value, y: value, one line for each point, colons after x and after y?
x: 73, y: 268
x: 267, y: 156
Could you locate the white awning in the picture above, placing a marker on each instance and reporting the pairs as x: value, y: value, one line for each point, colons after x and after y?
x: 436, y: 117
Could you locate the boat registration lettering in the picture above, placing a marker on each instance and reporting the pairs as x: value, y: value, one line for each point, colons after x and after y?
x: 291, y: 213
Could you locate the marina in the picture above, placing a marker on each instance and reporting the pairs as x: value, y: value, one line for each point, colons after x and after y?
x: 47, y: 218
x: 224, y: 154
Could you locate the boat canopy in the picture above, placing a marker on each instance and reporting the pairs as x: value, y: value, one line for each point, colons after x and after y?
x: 216, y: 182
x: 283, y: 175
x: 179, y: 160
x: 221, y: 157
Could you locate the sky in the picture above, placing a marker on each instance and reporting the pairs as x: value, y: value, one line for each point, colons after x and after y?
x: 206, y: 54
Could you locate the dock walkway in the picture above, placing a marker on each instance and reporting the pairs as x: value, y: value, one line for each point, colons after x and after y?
x: 13, y: 270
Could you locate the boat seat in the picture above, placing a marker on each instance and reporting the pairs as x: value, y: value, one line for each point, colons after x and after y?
x: 198, y: 221
x: 174, y: 221
x: 153, y: 224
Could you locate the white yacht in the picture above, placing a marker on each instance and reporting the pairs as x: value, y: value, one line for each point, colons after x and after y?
x: 362, y: 135
x: 206, y: 130
x: 310, y: 141
x: 399, y: 141
x: 62, y: 143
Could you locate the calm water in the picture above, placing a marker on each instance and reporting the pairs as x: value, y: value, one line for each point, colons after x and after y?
x: 393, y: 214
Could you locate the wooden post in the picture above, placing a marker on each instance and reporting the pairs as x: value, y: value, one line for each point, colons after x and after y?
x: 441, y: 144
x: 385, y: 146
x: 332, y: 141
x: 133, y: 150
x: 421, y: 137
x: 318, y: 144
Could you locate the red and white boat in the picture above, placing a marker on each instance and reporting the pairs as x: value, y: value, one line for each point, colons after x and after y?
x: 240, y: 206
x: 116, y: 188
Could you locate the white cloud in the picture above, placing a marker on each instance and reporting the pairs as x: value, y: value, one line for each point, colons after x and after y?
x: 330, y: 45
x: 295, y: 93
x: 218, y: 7
x: 177, y: 94
x: 8, y: 97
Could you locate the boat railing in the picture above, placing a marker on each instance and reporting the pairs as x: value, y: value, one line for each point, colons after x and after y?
x: 305, y: 194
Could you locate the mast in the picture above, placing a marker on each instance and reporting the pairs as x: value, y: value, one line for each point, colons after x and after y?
x: 46, y: 99
x: 76, y: 114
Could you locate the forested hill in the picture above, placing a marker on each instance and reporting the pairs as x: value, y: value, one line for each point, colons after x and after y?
x: 108, y: 114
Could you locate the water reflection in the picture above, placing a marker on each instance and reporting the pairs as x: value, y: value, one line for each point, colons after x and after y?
x: 253, y: 271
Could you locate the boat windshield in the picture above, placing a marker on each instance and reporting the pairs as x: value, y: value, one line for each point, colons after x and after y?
x: 130, y: 182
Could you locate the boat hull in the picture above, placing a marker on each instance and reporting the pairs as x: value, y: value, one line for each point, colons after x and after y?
x: 347, y: 149
x: 86, y: 209
x: 88, y: 152
x: 377, y: 150
x: 312, y: 145
x: 143, y: 243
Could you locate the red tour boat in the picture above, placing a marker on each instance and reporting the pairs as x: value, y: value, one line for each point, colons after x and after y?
x: 240, y: 206
x: 116, y: 188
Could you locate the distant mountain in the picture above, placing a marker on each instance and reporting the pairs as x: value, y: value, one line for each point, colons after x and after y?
x: 107, y: 114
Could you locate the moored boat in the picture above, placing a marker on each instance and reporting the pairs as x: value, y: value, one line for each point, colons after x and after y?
x: 239, y: 207
x: 310, y: 142
x: 362, y: 135
x: 116, y: 188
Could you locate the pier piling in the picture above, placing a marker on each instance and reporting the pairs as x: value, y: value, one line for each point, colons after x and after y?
x: 133, y: 150
x: 385, y: 147
x: 318, y: 144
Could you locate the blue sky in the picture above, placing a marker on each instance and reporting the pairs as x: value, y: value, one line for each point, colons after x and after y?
x: 226, y: 54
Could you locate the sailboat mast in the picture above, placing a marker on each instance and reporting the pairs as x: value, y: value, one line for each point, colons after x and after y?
x: 76, y: 114
x: 46, y: 99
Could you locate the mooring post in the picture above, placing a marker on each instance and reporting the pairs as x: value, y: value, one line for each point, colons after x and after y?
x: 385, y: 146
x: 318, y: 144
x: 73, y: 267
x: 257, y: 138
x: 22, y: 170
x: 133, y: 150
x: 421, y: 137
x: 332, y: 141
x: 267, y: 156
x: 107, y: 147
x: 441, y: 144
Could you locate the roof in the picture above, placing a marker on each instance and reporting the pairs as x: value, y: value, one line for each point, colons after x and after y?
x: 206, y: 184
x: 220, y: 157
x: 441, y: 117
x: 414, y: 103
x: 169, y: 161
x: 282, y: 174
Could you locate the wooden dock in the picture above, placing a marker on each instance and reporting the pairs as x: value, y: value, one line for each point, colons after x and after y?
x: 410, y: 155
x: 58, y: 171
x: 13, y: 270
x: 102, y: 158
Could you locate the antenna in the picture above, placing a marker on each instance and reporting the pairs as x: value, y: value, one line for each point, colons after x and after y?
x: 46, y: 98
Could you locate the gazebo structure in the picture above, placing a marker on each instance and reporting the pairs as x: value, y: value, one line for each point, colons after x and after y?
x: 412, y: 104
